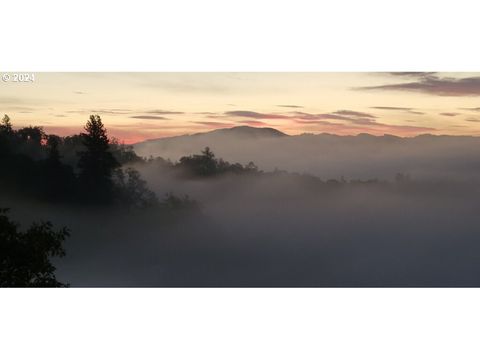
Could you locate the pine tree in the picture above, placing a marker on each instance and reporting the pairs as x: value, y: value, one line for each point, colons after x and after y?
x: 6, y: 136
x: 6, y: 126
x: 97, y: 163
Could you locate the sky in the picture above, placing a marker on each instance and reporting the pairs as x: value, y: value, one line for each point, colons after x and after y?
x: 139, y: 106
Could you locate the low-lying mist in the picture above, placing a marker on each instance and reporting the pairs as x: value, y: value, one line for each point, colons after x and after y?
x: 276, y: 229
x: 331, y: 156
x: 341, y: 211
x: 291, y: 230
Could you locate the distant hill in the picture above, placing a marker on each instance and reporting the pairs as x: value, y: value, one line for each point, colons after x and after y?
x: 177, y: 146
x: 331, y: 156
x: 246, y: 131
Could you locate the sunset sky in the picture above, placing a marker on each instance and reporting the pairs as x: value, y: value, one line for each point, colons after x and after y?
x: 138, y: 106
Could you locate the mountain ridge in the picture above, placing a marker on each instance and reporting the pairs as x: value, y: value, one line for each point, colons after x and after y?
x: 329, y: 155
x: 259, y: 132
x: 236, y: 130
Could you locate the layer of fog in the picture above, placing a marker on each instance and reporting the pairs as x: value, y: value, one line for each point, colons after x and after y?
x: 276, y: 231
x: 330, y: 156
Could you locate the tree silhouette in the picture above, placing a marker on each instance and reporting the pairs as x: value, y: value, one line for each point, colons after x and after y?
x: 124, y: 154
x: 177, y: 204
x: 53, y: 142
x: 25, y: 256
x: 6, y: 125
x: 30, y: 142
x: 58, y: 182
x: 203, y: 165
x: 33, y: 166
x: 96, y: 163
x: 6, y: 136
x: 207, y: 165
x: 133, y: 191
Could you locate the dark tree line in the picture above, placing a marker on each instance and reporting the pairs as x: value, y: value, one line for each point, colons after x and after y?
x: 88, y: 168
x: 25, y: 255
x: 84, y: 168
x: 205, y: 164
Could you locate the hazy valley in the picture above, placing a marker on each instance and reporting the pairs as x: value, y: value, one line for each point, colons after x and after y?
x: 328, y: 156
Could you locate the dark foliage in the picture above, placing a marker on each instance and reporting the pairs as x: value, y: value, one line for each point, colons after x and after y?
x: 133, y: 191
x: 71, y: 146
x: 78, y: 169
x: 96, y: 163
x: 180, y: 204
x: 124, y: 154
x: 57, y: 179
x: 206, y: 164
x: 25, y: 256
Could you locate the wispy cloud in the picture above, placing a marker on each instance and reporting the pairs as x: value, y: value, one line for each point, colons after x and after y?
x: 390, y: 108
x: 163, y: 112
x: 148, y: 117
x: 451, y: 114
x: 291, y: 106
x: 315, y: 117
x: 253, y: 123
x: 135, y: 114
x: 344, y: 115
x: 101, y: 111
x: 434, y: 85
x: 354, y: 117
x: 408, y: 110
x: 362, y: 120
x: 254, y: 115
x: 356, y: 121
x: 20, y: 109
x: 378, y: 129
x: 354, y: 114
x: 412, y: 73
